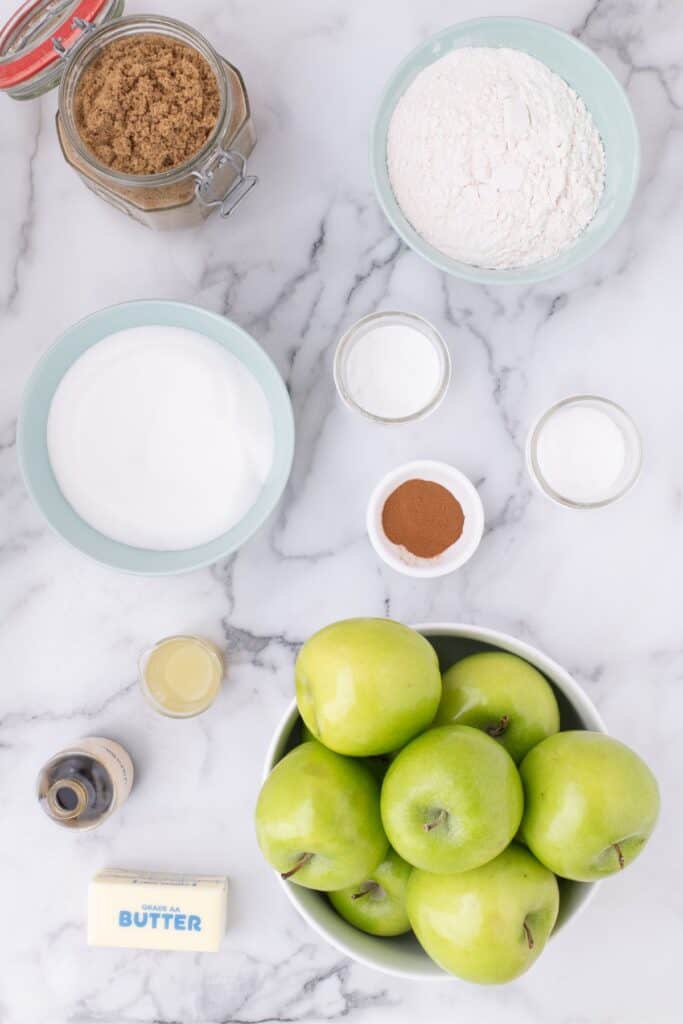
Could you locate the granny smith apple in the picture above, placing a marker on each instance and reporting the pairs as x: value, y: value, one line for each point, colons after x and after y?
x: 318, y: 820
x: 451, y: 800
x: 591, y: 804
x: 378, y: 904
x: 377, y: 765
x: 367, y: 686
x: 504, y: 696
x: 487, y: 925
x: 305, y: 732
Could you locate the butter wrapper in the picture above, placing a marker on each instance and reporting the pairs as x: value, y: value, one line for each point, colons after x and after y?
x: 147, y: 910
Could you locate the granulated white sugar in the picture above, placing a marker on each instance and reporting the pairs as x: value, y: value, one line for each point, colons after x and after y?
x: 160, y: 438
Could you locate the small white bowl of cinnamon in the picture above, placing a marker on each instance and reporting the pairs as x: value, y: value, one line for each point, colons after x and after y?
x: 425, y: 519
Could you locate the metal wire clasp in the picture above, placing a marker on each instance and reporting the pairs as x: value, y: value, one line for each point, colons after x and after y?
x: 86, y: 28
x: 240, y: 187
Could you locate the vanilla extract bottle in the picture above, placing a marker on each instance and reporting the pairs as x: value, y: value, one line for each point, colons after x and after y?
x: 80, y: 787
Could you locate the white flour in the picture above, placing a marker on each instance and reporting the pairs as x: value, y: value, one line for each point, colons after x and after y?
x: 494, y: 159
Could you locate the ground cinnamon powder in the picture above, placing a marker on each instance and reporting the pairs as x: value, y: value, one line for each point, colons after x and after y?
x: 423, y: 517
x: 146, y: 103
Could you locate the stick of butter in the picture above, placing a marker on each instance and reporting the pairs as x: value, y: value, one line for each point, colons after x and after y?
x: 146, y: 910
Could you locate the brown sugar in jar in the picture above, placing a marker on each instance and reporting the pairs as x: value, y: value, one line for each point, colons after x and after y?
x: 156, y: 122
x: 146, y: 104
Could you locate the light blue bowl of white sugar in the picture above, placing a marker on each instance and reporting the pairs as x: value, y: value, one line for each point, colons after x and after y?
x: 432, y: 186
x: 155, y: 436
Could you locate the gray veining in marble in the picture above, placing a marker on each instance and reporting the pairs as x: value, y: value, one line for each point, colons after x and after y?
x: 307, y: 254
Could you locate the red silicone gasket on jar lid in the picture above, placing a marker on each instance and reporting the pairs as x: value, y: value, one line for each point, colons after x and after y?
x: 31, y: 61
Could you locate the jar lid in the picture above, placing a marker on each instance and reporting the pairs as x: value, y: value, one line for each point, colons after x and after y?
x: 39, y: 34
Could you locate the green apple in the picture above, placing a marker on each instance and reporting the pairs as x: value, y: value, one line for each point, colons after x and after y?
x: 504, y: 696
x: 378, y: 904
x: 487, y: 925
x: 318, y: 819
x: 305, y: 732
x: 451, y: 800
x: 367, y: 686
x: 591, y: 804
x: 377, y: 765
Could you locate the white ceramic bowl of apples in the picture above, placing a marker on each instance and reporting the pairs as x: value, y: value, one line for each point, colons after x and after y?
x: 445, y: 863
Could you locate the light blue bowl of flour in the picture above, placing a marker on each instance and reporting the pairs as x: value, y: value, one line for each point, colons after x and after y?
x: 32, y: 434
x: 587, y: 75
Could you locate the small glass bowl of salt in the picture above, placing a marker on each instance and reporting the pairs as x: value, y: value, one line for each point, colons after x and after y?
x: 392, y: 367
x: 584, y: 452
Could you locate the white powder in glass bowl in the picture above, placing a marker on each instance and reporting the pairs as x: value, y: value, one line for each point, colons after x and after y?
x: 393, y: 371
x: 160, y: 438
x: 494, y: 159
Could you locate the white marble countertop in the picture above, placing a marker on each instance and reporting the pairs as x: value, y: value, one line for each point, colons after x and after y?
x: 307, y: 254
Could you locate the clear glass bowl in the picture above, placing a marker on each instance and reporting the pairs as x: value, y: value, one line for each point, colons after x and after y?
x: 189, y: 708
x: 355, y: 334
x: 633, y: 453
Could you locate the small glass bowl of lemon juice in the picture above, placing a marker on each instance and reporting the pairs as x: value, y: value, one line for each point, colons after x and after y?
x: 180, y: 676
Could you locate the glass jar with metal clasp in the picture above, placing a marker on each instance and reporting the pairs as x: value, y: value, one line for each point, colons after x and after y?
x: 53, y: 41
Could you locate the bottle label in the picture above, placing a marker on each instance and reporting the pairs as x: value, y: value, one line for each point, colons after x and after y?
x: 117, y: 762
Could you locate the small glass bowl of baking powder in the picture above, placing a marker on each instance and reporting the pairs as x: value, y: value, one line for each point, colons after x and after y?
x: 584, y: 452
x: 392, y: 367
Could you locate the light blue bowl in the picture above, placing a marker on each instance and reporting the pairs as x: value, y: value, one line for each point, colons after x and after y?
x: 32, y: 434
x: 586, y: 74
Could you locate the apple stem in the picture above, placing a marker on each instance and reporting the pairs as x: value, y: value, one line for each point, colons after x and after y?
x: 301, y: 863
x: 529, y: 936
x: 497, y: 730
x: 622, y: 862
x: 439, y: 820
x: 369, y: 887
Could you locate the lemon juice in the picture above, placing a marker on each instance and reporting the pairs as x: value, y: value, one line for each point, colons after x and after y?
x: 181, y: 675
